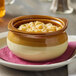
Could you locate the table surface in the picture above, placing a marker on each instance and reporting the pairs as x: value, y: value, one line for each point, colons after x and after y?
x: 32, y: 7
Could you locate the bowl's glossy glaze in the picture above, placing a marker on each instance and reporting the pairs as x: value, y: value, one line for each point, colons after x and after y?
x: 37, y: 46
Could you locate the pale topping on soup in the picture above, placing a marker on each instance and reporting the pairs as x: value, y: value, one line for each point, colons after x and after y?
x: 38, y: 26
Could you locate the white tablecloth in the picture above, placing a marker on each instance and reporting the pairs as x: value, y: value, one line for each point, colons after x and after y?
x: 72, y: 66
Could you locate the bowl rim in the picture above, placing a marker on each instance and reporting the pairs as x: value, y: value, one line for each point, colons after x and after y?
x: 63, y: 21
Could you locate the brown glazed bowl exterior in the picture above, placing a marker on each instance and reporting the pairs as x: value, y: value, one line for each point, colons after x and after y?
x: 37, y: 46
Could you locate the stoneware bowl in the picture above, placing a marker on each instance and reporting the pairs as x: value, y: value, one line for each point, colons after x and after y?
x: 37, y: 46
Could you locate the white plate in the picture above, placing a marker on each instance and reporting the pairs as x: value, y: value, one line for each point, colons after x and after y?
x: 31, y: 67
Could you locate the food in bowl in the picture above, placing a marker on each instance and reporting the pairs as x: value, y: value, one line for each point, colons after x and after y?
x: 37, y: 46
x: 38, y: 26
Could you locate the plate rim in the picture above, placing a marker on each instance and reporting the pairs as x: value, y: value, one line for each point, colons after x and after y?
x: 34, y: 66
